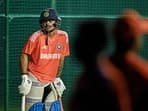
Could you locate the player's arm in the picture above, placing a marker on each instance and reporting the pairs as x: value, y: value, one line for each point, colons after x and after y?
x: 60, y: 68
x: 25, y: 86
x: 24, y: 60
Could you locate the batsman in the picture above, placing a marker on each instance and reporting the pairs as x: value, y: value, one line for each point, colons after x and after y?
x: 42, y: 61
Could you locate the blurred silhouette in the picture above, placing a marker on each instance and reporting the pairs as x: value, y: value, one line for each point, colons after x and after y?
x: 116, y: 82
x: 93, y: 90
x: 128, y: 31
x: 90, y: 42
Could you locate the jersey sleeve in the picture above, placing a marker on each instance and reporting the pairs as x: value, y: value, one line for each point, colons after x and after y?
x: 30, y: 44
x: 28, y: 47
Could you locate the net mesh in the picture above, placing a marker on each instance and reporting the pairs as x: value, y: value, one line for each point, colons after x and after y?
x: 22, y: 20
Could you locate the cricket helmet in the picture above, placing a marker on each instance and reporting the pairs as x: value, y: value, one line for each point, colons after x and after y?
x: 49, y: 14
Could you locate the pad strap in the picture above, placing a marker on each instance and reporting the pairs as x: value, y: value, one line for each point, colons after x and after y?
x: 47, y: 90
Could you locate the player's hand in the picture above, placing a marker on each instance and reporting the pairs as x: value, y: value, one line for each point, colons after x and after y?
x: 59, y: 85
x: 25, y: 86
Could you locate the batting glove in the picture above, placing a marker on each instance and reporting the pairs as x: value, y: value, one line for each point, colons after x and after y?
x: 59, y: 85
x: 25, y: 86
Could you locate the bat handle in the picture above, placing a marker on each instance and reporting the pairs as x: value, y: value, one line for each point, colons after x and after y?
x: 23, y: 103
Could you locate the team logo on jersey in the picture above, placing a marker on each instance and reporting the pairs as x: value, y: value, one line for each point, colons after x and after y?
x: 59, y: 46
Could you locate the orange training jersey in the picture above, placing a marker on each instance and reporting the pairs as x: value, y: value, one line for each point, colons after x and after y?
x: 45, y: 59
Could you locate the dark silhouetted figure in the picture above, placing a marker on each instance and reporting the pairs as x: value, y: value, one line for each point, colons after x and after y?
x: 93, y: 91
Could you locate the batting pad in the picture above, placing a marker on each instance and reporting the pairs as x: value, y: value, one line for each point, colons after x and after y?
x: 34, y: 98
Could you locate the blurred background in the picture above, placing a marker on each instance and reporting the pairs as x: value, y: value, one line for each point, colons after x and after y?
x: 19, y: 18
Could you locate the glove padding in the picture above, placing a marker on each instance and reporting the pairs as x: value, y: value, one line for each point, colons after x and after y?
x: 25, y: 86
x: 59, y: 86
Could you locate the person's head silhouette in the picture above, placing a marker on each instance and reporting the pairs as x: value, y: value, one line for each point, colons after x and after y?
x: 91, y: 40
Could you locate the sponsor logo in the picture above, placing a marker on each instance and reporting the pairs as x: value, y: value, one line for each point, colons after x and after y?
x: 50, y: 56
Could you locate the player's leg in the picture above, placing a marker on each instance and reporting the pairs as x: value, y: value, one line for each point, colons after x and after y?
x: 54, y: 101
x: 35, y: 95
x: 52, y: 97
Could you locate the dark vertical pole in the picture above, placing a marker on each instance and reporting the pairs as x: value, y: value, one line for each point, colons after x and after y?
x: 7, y: 54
